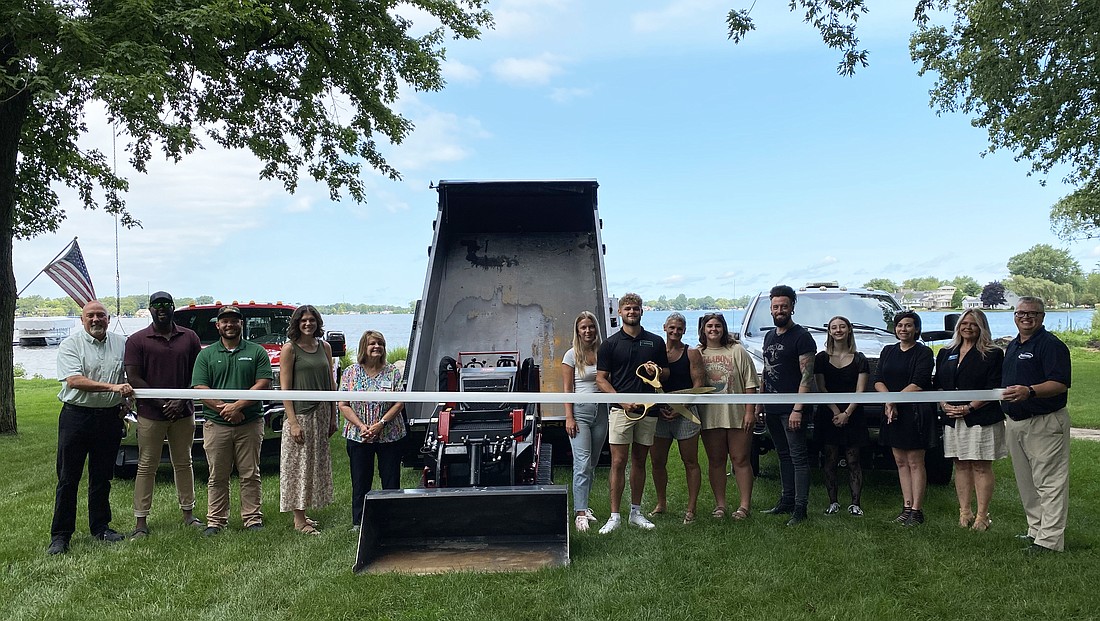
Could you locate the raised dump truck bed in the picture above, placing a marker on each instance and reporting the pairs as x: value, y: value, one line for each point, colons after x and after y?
x: 510, y: 266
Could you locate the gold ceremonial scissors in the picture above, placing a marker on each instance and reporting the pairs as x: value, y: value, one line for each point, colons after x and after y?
x: 679, y: 408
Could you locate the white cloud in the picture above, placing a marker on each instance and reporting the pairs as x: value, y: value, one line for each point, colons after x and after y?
x: 519, y: 18
x: 565, y: 95
x: 438, y: 137
x: 1095, y: 251
x: 300, y: 204
x: 455, y: 71
x: 678, y: 15
x: 534, y: 71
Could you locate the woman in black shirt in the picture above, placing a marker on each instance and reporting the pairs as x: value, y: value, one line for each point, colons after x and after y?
x: 975, y: 432
x: 907, y: 428
x: 840, y: 368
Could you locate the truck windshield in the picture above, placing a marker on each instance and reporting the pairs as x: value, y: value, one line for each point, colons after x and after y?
x: 266, y: 326
x: 814, y: 310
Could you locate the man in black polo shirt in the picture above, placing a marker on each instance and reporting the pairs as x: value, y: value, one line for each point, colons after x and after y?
x: 1036, y: 378
x: 789, y: 352
x: 630, y: 432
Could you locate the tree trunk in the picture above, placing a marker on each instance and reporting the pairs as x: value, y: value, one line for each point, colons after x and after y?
x: 13, y: 112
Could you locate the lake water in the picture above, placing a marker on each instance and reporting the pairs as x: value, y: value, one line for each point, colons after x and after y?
x: 397, y: 328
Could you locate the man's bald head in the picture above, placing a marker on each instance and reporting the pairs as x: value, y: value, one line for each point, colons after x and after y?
x: 95, y: 319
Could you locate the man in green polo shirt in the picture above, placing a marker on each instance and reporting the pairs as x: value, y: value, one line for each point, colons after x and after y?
x: 233, y: 430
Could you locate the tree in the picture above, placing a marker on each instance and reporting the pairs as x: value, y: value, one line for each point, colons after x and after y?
x: 1026, y: 72
x: 957, y: 298
x: 1090, y: 290
x: 993, y: 294
x: 1054, y: 294
x: 306, y: 86
x: 968, y: 285
x: 882, y: 284
x: 1046, y: 262
x: 1077, y: 216
x: 927, y: 283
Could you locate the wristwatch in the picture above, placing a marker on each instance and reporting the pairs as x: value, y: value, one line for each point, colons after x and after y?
x: 1030, y: 392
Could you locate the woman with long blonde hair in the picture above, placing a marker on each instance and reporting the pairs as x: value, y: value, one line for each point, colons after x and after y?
x: 975, y: 431
x: 585, y: 423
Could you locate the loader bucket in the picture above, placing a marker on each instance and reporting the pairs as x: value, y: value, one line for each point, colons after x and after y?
x: 498, y: 529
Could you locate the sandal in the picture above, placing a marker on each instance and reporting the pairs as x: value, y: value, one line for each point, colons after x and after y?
x: 718, y: 513
x: 689, y: 517
x: 308, y: 529
x: 657, y: 511
x: 312, y: 522
x: 742, y: 513
x: 195, y: 522
x: 140, y: 532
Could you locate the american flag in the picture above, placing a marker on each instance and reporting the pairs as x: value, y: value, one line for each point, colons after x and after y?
x: 71, y: 274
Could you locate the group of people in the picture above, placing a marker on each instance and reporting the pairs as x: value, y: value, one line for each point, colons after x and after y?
x: 1034, y: 372
x: 99, y: 371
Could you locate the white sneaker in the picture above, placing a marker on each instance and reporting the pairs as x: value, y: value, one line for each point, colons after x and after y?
x: 581, y: 523
x: 639, y: 520
x: 833, y: 508
x: 613, y: 522
x: 591, y: 516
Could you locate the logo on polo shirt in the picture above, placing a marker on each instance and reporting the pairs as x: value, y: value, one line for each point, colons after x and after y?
x: 245, y: 359
x: 645, y: 343
x: 1026, y: 355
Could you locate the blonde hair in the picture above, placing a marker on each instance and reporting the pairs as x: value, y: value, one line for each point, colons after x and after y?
x: 581, y: 350
x: 361, y: 355
x: 985, y: 341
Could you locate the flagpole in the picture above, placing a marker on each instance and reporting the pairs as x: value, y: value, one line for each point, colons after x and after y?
x: 48, y: 263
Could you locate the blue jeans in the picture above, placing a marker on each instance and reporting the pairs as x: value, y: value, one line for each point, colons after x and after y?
x: 794, y: 460
x: 591, y: 434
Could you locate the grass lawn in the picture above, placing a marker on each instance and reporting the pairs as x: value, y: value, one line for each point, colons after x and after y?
x: 1084, y: 398
x: 832, y: 567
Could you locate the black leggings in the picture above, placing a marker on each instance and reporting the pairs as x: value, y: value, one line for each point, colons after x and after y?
x: 855, y: 471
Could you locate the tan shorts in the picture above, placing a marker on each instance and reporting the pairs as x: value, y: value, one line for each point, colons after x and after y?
x: 622, y: 430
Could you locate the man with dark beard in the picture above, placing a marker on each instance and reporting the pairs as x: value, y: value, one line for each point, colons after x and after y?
x: 789, y: 352
x: 89, y: 429
x: 163, y: 356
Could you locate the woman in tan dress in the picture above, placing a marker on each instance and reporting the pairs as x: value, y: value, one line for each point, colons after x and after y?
x: 305, y: 468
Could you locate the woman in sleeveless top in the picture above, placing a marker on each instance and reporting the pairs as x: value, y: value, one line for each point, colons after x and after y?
x: 840, y: 368
x: 685, y: 371
x: 727, y: 427
x: 305, y: 469
x: 585, y: 423
x: 372, y: 428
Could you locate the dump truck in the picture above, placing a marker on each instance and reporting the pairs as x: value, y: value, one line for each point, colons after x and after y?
x: 510, y: 266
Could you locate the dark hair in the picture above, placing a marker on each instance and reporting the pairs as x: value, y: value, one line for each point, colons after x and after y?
x: 907, y: 314
x: 294, y: 331
x: 727, y: 338
x: 783, y: 291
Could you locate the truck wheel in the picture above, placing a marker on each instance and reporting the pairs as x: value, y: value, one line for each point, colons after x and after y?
x: 937, y: 466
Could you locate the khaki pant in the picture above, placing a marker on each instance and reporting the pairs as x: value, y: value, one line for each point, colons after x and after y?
x: 228, y: 446
x: 1039, y: 447
x: 150, y: 435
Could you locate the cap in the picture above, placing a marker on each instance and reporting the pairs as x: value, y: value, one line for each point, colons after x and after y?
x: 161, y: 296
x: 230, y: 310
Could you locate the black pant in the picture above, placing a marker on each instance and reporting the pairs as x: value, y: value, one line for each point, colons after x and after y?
x: 361, y: 457
x: 91, y: 434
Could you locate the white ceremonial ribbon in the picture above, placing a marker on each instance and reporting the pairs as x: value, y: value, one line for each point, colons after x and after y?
x: 812, y: 398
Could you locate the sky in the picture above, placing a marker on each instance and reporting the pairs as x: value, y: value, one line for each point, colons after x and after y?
x: 737, y: 167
